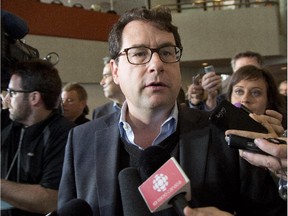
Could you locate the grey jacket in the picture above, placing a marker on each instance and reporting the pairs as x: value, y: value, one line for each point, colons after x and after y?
x: 219, y: 177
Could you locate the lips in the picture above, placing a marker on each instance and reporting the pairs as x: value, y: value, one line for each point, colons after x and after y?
x: 156, y: 84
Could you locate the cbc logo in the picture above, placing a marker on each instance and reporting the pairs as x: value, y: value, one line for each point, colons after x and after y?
x: 160, y: 182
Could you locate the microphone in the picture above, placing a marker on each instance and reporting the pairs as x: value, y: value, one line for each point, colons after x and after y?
x: 167, y: 186
x: 74, y: 207
x: 242, y: 107
x: 13, y: 25
x: 132, y: 202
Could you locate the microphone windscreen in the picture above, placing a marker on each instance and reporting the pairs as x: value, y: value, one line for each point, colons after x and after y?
x: 13, y: 25
x: 75, y: 207
x: 151, y: 159
x: 238, y: 105
x: 132, y: 201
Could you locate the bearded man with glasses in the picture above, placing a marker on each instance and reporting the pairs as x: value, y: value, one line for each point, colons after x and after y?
x: 33, y: 143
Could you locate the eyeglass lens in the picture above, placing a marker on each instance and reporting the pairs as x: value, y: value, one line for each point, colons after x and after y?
x: 12, y: 92
x: 142, y: 55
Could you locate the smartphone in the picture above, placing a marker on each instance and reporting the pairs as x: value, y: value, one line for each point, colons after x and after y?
x: 239, y: 142
x: 227, y: 116
x: 209, y: 69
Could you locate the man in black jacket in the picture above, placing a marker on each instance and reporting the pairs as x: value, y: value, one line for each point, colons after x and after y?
x: 33, y: 144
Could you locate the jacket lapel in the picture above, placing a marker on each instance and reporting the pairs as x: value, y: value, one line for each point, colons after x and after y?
x: 107, y: 152
x: 193, y: 152
x: 194, y: 142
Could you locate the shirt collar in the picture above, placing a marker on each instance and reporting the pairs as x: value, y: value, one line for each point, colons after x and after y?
x: 116, y: 106
x: 167, y: 128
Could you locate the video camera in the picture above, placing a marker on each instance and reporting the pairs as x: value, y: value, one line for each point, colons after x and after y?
x: 13, y: 29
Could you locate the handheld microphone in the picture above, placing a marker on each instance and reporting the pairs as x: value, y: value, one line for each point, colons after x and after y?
x: 166, y: 187
x: 74, y: 207
x: 132, y: 202
x: 13, y: 25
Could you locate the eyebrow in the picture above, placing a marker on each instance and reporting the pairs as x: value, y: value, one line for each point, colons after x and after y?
x: 161, y: 45
x: 254, y: 87
x: 167, y: 44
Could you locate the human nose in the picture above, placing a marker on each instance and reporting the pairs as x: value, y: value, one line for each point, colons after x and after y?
x: 64, y: 102
x: 5, y: 101
x: 245, y: 98
x: 155, y: 63
x: 102, y: 82
x: 157, y: 56
x: 5, y: 96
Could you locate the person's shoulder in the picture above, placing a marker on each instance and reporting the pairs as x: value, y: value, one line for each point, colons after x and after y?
x: 193, y: 117
x: 101, y: 122
x: 59, y: 121
x: 81, y: 120
x: 109, y: 104
x: 104, y: 109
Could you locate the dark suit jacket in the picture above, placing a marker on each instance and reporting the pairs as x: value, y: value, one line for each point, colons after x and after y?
x: 219, y: 177
x: 105, y: 109
x: 81, y: 120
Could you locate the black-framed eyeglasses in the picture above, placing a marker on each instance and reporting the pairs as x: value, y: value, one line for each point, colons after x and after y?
x: 142, y: 55
x: 12, y: 92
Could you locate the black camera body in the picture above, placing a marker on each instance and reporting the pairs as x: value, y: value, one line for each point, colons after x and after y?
x: 13, y: 50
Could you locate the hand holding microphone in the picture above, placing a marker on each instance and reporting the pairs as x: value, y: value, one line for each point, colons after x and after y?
x: 205, y: 211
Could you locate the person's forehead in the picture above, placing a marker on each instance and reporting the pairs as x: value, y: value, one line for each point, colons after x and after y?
x: 245, y: 83
x: 106, y: 69
x: 70, y: 94
x: 15, y: 81
x: 243, y: 61
x: 139, y: 32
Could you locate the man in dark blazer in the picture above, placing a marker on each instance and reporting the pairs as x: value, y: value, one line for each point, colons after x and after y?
x: 218, y: 177
x: 145, y: 49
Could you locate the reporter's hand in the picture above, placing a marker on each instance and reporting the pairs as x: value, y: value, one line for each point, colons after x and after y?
x: 277, y: 154
x: 195, y: 94
x: 274, y: 118
x: 206, y: 211
x: 211, y: 82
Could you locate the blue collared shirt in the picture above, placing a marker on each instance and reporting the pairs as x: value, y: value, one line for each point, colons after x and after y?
x: 167, y: 128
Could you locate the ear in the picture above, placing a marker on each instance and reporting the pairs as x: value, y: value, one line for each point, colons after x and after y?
x: 35, y: 98
x: 83, y: 103
x: 114, y: 70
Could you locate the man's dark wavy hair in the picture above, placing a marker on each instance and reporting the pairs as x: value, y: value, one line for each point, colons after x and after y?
x: 159, y: 16
x: 40, y: 75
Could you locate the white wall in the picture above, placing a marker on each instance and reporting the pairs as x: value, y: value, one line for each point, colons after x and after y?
x: 222, y: 33
x: 79, y: 61
x: 95, y: 96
